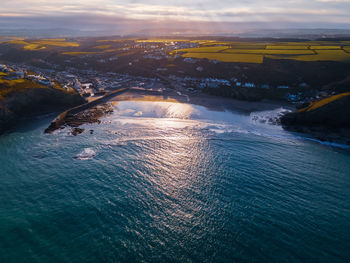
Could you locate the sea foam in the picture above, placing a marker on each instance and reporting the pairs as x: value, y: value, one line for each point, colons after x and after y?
x: 86, y: 154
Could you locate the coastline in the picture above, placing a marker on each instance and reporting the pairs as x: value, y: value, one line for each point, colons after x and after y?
x: 211, y: 102
x: 92, y: 111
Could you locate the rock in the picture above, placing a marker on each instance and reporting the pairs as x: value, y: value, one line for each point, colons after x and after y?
x: 75, y: 117
x: 77, y: 131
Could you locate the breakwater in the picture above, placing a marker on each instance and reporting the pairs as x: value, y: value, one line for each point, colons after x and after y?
x: 61, y: 120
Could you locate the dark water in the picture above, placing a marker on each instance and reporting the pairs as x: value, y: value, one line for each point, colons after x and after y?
x: 163, y: 182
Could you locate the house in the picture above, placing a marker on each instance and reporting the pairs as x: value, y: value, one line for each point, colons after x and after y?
x: 44, y: 82
x: 4, y: 68
x: 249, y: 85
x: 190, y: 60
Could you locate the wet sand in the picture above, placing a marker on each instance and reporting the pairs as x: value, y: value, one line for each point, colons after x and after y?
x: 94, y: 110
x: 210, y: 102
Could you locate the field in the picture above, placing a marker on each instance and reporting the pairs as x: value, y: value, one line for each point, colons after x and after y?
x: 270, y: 51
x: 18, y: 85
x: 255, y: 52
x: 203, y: 49
x: 317, y: 104
x: 288, y: 47
x: 324, y: 47
x: 224, y: 51
x: 227, y: 57
x: 43, y: 43
x: 322, y: 55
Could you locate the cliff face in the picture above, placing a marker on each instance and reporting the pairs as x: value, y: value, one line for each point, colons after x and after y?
x: 327, y: 119
x: 19, y: 104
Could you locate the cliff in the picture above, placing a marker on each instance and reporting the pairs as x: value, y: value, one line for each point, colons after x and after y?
x: 23, y: 99
x: 326, y: 119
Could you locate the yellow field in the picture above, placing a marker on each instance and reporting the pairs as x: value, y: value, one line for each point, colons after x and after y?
x: 56, y: 43
x: 347, y: 49
x: 202, y: 49
x: 322, y: 55
x: 33, y: 47
x: 317, y: 104
x: 270, y: 51
x: 290, y: 47
x: 26, y: 45
x: 11, y: 82
x: 325, y: 47
x: 41, y: 44
x: 226, y: 57
x: 3, y: 74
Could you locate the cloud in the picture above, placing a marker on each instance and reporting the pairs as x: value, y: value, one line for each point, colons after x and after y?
x: 315, y: 12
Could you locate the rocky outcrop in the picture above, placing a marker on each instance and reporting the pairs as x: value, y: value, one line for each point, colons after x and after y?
x: 89, y: 112
x: 89, y: 115
x: 30, y: 102
x: 327, y: 119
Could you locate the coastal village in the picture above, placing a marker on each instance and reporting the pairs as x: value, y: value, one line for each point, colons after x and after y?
x: 91, y: 83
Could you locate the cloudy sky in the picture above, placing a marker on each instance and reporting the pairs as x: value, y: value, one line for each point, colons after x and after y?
x: 110, y: 13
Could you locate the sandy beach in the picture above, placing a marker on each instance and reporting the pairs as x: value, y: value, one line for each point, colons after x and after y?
x: 210, y: 102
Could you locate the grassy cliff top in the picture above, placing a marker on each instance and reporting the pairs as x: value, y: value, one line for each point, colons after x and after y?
x: 322, y: 102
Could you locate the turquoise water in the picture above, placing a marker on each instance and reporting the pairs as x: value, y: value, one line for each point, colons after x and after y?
x: 167, y: 182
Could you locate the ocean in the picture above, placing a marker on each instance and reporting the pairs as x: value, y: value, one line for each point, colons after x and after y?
x: 172, y: 182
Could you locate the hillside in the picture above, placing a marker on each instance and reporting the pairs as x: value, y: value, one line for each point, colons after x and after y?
x: 327, y: 119
x: 22, y: 98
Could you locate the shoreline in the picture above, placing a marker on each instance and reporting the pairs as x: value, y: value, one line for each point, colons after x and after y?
x: 215, y: 103
x: 92, y: 111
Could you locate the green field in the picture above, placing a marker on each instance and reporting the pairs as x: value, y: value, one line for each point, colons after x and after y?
x: 288, y: 47
x: 325, y: 47
x: 270, y: 51
x: 322, y: 55
x: 255, y: 52
x: 249, y: 46
x: 227, y: 57
x: 347, y: 48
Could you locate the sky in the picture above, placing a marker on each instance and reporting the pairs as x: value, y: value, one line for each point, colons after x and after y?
x: 221, y: 15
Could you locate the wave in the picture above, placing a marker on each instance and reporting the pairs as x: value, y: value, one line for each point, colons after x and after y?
x: 269, y: 117
x: 86, y: 154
